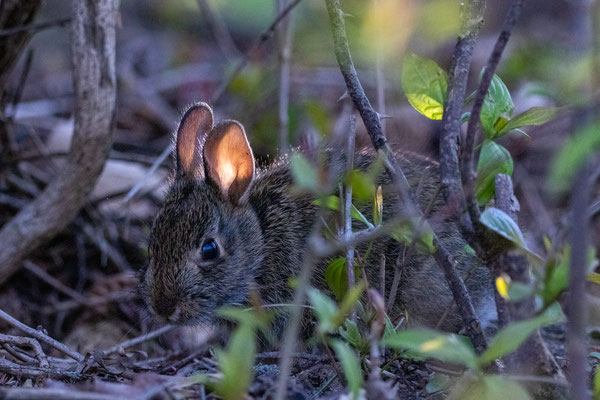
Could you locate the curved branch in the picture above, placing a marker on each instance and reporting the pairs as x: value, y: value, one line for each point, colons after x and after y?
x: 93, y: 54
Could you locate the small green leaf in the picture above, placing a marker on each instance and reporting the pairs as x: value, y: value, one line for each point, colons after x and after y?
x: 362, y: 185
x: 378, y: 206
x: 597, y: 384
x: 237, y: 364
x: 442, y: 346
x: 304, y: 173
x: 350, y: 333
x: 498, y: 103
x: 325, y: 309
x: 336, y: 277
x: 573, y: 154
x: 350, y: 365
x: 498, y: 221
x: 557, y: 276
x: 333, y: 203
x: 438, y: 383
x: 465, y: 117
x: 425, y: 85
x: 488, y: 387
x: 494, y: 159
x: 405, y: 233
x: 533, y: 116
x: 349, y: 302
x: 514, y: 334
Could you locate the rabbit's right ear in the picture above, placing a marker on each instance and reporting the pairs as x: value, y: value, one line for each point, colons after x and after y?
x: 195, y: 124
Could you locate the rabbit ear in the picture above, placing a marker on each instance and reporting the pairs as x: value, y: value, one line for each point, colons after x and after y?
x: 195, y: 125
x: 228, y: 160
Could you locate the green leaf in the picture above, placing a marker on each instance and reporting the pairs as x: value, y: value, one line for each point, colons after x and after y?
x: 425, y: 85
x: 333, y: 203
x: 494, y: 159
x: 442, y: 346
x: 498, y: 103
x: 349, y: 302
x: 362, y: 184
x: 514, y: 334
x: 325, y: 309
x: 245, y: 316
x: 573, y: 154
x: 557, y: 276
x: 488, y: 387
x: 336, y: 276
x: 405, y: 232
x: 378, y: 206
x: 597, y: 384
x: 237, y: 364
x: 498, y: 221
x: 350, y: 333
x: 438, y: 383
x: 350, y: 365
x: 533, y: 116
x: 304, y: 173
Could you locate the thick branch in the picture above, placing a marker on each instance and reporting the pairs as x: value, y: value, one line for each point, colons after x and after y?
x: 379, y: 141
x: 93, y: 54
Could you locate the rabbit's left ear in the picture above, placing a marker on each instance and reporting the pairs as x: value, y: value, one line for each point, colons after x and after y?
x: 229, y: 161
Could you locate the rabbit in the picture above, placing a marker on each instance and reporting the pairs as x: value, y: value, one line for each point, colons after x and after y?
x: 227, y: 228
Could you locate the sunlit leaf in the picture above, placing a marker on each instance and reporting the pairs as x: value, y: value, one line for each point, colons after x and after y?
x: 378, y: 206
x: 442, y: 346
x: 425, y: 85
x: 494, y: 159
x: 502, y: 286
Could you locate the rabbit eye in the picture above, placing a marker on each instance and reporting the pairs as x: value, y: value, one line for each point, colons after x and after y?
x: 210, y: 249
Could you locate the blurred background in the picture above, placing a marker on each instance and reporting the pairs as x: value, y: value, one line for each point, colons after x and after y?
x: 173, y: 53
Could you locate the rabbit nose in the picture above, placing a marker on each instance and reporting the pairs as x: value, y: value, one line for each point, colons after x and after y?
x: 165, y: 307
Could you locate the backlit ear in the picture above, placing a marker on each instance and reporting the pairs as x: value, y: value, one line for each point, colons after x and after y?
x: 228, y: 160
x: 195, y: 125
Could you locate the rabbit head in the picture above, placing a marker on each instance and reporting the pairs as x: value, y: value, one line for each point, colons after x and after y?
x: 206, y: 243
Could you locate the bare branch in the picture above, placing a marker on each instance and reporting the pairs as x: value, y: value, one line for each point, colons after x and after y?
x: 285, y: 50
x: 348, y: 201
x: 93, y: 50
x: 36, y: 27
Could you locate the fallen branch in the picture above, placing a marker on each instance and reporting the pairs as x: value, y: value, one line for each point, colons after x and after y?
x: 40, y: 336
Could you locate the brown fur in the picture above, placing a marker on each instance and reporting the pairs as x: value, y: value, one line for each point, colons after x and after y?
x: 263, y: 240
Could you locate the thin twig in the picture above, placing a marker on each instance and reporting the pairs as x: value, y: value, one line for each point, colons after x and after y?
x: 348, y: 201
x: 36, y: 27
x: 26, y: 341
x: 41, y: 337
x: 285, y: 51
x: 576, y: 303
x: 467, y: 165
x: 140, y: 339
x: 55, y: 283
x: 219, y: 30
x: 262, y: 39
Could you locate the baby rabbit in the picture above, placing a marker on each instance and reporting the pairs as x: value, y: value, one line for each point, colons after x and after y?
x: 227, y: 227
